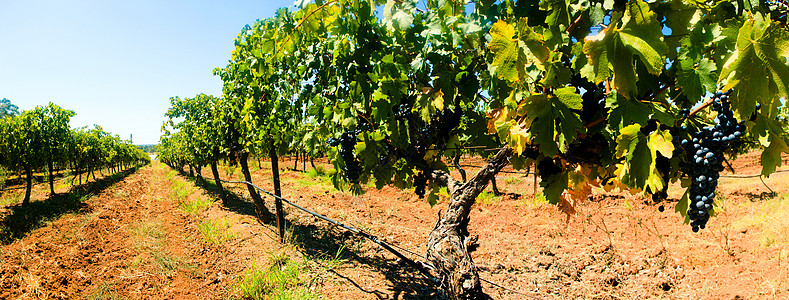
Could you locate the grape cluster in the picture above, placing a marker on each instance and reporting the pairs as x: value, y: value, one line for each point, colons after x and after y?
x: 424, y: 135
x: 347, y: 142
x: 420, y: 182
x: 704, y: 152
x: 547, y: 168
x: 438, y: 131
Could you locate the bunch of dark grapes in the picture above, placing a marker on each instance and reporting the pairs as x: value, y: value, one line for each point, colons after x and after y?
x: 438, y: 131
x: 347, y: 142
x: 704, y: 152
x: 420, y: 182
x: 547, y: 168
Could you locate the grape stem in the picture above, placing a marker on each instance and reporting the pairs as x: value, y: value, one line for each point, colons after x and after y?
x: 728, y: 164
x: 700, y: 108
x: 575, y: 24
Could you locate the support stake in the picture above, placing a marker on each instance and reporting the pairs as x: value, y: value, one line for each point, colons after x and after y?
x: 278, y: 192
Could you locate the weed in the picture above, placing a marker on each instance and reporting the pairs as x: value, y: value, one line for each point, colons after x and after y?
x: 216, y: 231
x: 771, y: 219
x: 180, y: 191
x: 3, y: 176
x: 104, y: 291
x: 280, y: 280
x: 65, y: 183
x: 197, y: 206
x: 512, y: 179
x: 627, y: 205
x: 317, y: 171
x: 120, y: 193
x: 149, y: 236
x: 165, y: 261
x: 536, y: 201
x: 231, y: 170
x: 487, y: 198
x: 10, y: 198
x: 318, y: 185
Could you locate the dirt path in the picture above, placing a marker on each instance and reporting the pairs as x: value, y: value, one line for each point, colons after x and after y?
x: 155, y: 235
x: 128, y: 240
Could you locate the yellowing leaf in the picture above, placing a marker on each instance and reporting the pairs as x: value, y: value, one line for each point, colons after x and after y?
x: 506, y: 57
x: 661, y: 141
x: 438, y: 100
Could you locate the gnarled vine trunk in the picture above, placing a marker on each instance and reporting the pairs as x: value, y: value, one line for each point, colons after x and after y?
x: 446, y: 245
x: 263, y: 213
x: 51, y: 179
x: 215, y: 172
x: 29, y: 183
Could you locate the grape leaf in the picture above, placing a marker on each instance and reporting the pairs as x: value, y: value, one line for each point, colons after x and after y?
x: 768, y: 132
x: 553, y: 187
x: 640, y: 34
x: 507, y: 58
x: 758, y: 69
x: 623, y: 112
x: 558, y: 20
x: 771, y: 156
x: 546, y: 114
x: 640, y: 154
x: 696, y: 78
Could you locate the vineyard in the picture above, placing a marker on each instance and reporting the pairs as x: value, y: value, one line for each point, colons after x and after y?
x: 440, y: 149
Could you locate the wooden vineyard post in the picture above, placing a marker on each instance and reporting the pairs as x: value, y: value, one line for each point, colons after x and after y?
x: 278, y: 192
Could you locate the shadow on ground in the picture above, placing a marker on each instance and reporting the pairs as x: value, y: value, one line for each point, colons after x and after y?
x: 18, y: 221
x: 323, y: 241
x: 320, y: 240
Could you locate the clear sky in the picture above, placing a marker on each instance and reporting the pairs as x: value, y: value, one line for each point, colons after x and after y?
x: 117, y: 63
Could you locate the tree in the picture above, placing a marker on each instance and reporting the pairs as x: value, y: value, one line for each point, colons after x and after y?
x: 592, y: 93
x: 8, y: 109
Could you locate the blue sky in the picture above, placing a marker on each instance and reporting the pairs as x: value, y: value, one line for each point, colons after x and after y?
x: 117, y: 63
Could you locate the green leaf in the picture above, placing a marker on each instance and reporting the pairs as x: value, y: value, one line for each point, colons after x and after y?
x: 569, y: 97
x: 506, y: 53
x: 696, y: 78
x: 627, y: 140
x: 771, y: 156
x: 558, y: 20
x: 554, y: 186
x: 556, y: 74
x: 551, y: 120
x: 758, y: 71
x: 684, y: 203
x: 614, y: 47
x: 623, y: 112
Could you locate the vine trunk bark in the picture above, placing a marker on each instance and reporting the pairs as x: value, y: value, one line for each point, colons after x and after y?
x: 264, y: 215
x: 447, y: 247
x: 215, y: 172
x: 29, y: 183
x: 51, y: 178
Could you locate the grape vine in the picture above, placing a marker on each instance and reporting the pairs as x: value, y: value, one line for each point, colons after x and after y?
x: 588, y: 92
